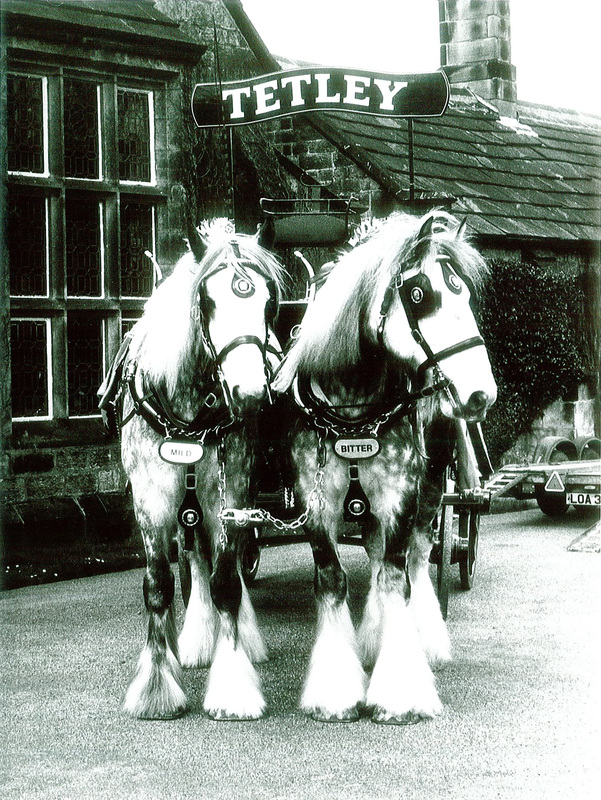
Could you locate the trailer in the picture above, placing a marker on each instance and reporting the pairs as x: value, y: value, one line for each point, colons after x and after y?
x: 563, y: 474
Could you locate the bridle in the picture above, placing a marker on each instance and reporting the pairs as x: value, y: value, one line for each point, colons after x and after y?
x: 151, y: 402
x: 242, y: 286
x: 418, y: 300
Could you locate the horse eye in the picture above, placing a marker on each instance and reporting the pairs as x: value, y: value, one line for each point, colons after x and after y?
x: 242, y: 287
x: 454, y: 281
x: 451, y: 278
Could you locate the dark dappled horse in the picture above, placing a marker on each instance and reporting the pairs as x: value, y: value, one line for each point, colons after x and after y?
x: 388, y: 356
x: 196, y: 370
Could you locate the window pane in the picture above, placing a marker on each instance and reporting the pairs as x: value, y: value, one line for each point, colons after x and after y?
x: 25, y: 123
x: 82, y: 140
x: 84, y: 364
x: 26, y: 238
x: 137, y: 235
x: 83, y: 236
x: 126, y: 326
x: 133, y: 119
x: 29, y: 368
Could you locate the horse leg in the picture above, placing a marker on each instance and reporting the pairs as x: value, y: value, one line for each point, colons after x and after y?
x: 335, y: 685
x: 369, y: 633
x: 402, y: 689
x: 197, y: 638
x: 156, y: 690
x: 233, y: 687
x: 424, y: 606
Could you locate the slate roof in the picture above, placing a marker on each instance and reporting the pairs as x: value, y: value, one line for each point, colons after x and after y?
x: 536, y: 179
x: 129, y: 24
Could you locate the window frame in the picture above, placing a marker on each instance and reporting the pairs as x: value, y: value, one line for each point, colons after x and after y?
x: 111, y: 306
x: 49, y: 375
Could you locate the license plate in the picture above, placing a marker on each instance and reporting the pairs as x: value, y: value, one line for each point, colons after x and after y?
x: 583, y: 499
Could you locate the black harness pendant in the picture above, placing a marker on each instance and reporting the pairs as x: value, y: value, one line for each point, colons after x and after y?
x: 356, y: 503
x: 190, y: 514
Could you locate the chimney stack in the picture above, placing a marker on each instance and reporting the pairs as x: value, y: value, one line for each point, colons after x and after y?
x: 475, y: 50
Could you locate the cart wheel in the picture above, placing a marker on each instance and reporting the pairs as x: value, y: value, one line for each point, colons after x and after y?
x: 185, y: 575
x: 250, y: 556
x: 469, y: 528
x: 444, y: 549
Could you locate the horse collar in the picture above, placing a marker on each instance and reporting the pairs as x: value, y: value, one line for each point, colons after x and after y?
x: 152, y: 405
x: 324, y: 415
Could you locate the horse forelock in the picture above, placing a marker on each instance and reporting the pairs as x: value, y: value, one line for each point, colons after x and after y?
x: 445, y: 239
x: 242, y: 252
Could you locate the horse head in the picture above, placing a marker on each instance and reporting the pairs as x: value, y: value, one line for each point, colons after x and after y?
x: 426, y: 316
x: 238, y: 295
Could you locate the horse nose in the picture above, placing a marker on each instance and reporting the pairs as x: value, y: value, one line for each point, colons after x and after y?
x: 247, y: 404
x: 477, y: 405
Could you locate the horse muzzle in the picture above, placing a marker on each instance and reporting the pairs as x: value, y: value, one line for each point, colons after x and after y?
x: 244, y: 405
x: 475, y: 408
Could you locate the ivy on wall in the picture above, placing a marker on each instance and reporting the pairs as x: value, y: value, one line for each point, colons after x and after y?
x: 540, y: 325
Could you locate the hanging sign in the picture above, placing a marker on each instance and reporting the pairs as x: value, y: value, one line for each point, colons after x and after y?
x: 281, y: 94
x: 176, y: 452
x: 357, y: 448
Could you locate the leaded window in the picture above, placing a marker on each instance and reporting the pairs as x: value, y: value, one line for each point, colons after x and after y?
x: 134, y: 136
x: 30, y: 373
x: 27, y: 240
x: 26, y: 103
x: 82, y: 217
x: 137, y: 236
x: 84, y: 363
x: 84, y: 247
x: 81, y: 129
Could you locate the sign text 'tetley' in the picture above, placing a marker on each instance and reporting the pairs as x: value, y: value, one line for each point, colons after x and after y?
x: 296, y: 91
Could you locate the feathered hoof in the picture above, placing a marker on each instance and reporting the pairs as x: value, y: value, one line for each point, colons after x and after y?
x: 151, y: 709
x: 221, y: 715
x: 382, y: 717
x: 348, y: 715
x: 162, y: 715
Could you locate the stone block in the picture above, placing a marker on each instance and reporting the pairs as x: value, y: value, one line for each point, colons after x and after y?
x: 37, y: 461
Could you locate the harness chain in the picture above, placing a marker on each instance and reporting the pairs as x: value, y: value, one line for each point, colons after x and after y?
x: 221, y: 483
x: 247, y: 516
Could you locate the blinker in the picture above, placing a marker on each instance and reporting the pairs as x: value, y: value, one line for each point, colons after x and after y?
x: 242, y: 287
x: 450, y: 277
x: 418, y: 290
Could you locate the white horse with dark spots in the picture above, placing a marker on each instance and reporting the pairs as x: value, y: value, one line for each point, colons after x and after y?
x: 388, y: 360
x: 195, y: 372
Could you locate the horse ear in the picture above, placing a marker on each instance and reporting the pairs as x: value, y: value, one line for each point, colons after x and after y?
x: 460, y: 232
x: 426, y: 229
x: 423, y: 239
x: 266, y: 234
x: 197, y: 245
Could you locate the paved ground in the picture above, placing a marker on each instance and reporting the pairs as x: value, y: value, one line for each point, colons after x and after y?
x: 521, y: 698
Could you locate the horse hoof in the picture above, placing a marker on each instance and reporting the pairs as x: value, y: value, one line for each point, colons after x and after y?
x: 349, y: 715
x: 382, y: 717
x: 163, y: 715
x: 220, y: 715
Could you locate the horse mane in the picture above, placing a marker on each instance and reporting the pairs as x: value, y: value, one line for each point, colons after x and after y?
x: 337, y: 325
x: 167, y: 340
